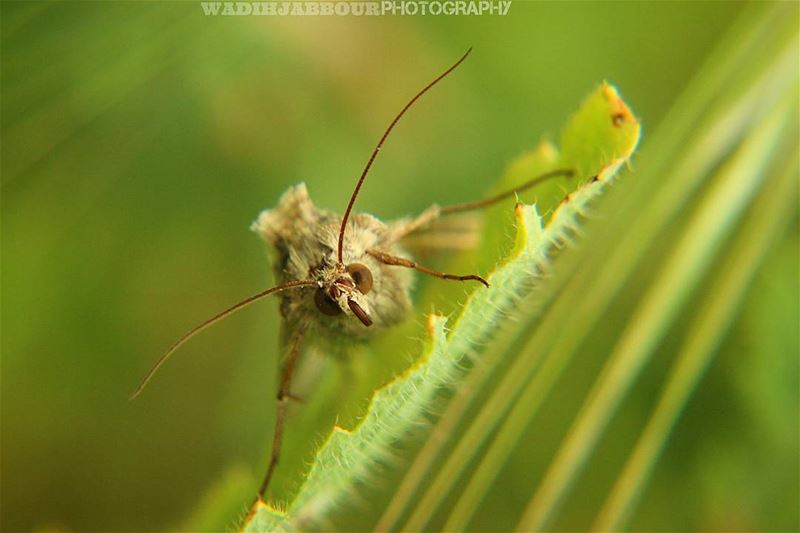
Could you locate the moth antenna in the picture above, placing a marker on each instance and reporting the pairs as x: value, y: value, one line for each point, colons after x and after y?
x: 210, y: 322
x: 380, y: 144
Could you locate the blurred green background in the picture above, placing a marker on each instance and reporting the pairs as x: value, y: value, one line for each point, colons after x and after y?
x: 140, y: 139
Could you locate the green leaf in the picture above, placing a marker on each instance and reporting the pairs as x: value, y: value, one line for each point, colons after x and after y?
x: 601, y: 135
x: 348, y: 458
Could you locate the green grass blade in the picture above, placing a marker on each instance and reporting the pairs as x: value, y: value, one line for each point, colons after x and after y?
x: 684, y: 270
x: 770, y: 215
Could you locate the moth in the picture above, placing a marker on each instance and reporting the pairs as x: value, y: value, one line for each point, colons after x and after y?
x: 341, y: 278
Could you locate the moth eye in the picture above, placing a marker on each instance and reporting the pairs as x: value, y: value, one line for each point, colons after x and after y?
x: 361, y: 276
x: 325, y: 303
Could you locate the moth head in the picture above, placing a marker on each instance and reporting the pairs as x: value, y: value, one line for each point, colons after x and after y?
x: 346, y: 293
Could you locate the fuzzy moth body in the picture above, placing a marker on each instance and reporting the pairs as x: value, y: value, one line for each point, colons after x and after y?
x: 305, y: 240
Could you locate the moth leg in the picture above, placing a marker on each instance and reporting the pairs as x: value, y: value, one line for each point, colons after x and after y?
x: 486, y: 202
x: 435, y: 212
x: 284, y: 396
x: 394, y: 260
